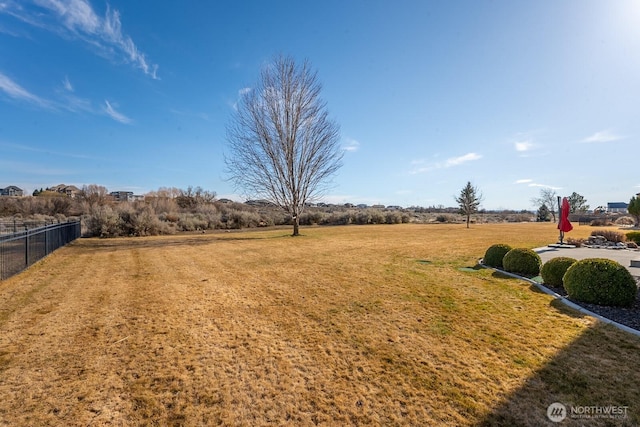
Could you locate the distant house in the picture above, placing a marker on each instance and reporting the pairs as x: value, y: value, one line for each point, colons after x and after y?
x: 125, y: 196
x: 260, y: 202
x: 68, y: 190
x: 11, y: 190
x: 121, y: 196
x: 617, y: 207
x: 378, y: 206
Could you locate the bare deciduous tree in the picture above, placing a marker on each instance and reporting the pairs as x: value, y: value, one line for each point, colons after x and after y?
x: 167, y: 192
x: 547, y: 197
x: 469, y: 200
x: 191, y: 198
x: 93, y: 195
x: 283, y: 147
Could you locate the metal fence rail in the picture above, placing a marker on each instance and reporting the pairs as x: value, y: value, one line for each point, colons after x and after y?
x: 20, y: 250
x: 14, y: 225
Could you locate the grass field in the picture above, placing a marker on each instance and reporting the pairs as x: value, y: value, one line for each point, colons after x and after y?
x: 356, y: 325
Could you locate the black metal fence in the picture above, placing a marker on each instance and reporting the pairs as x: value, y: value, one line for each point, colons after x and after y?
x: 20, y: 250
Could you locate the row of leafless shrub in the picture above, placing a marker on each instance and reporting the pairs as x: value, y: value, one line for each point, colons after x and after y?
x: 608, y: 222
x: 140, y: 219
x: 43, y: 206
x: 350, y: 216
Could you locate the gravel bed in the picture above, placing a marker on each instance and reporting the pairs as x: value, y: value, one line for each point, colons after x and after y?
x: 628, y: 316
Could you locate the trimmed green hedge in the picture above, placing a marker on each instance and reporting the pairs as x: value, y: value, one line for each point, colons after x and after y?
x: 600, y: 281
x: 553, y: 270
x: 634, y: 236
x: 494, y: 255
x: 522, y: 261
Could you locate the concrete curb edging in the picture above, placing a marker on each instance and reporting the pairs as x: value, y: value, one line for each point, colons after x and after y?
x: 564, y: 300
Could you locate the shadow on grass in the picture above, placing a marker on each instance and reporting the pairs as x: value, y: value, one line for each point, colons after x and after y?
x: 500, y: 275
x: 597, y: 370
x: 600, y: 369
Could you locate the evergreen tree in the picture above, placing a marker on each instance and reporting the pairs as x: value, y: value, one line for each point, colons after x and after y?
x: 543, y: 214
x: 577, y: 203
x: 469, y: 200
x: 634, y: 209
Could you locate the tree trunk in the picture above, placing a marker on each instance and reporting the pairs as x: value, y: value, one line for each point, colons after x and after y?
x: 295, y: 216
x: 468, y: 218
x: 296, y: 225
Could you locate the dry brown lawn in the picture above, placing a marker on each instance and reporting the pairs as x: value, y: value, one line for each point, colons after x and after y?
x: 357, y: 325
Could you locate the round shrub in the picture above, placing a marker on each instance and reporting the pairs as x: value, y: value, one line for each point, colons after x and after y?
x: 553, y: 270
x: 494, y: 255
x: 600, y: 281
x: 522, y: 261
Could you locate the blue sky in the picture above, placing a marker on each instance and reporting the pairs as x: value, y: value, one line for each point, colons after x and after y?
x: 512, y: 96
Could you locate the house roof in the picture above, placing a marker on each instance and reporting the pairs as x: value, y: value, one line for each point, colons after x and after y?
x: 62, y: 188
x: 619, y: 205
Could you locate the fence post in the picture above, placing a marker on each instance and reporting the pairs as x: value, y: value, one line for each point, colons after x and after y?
x: 26, y: 249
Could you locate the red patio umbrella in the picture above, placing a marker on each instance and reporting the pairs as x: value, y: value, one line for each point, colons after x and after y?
x: 564, y: 225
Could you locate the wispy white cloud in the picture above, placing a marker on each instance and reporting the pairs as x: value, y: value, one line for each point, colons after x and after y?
x: 522, y: 146
x: 7, y: 31
x: 532, y: 183
x: 76, y: 104
x: 67, y: 84
x: 451, y: 162
x: 603, y: 136
x: 350, y: 145
x: 525, y: 143
x: 242, y: 92
x: 65, y: 99
x: 455, y: 161
x: 70, y: 101
x: 115, y: 115
x: 77, y: 19
x: 15, y: 91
